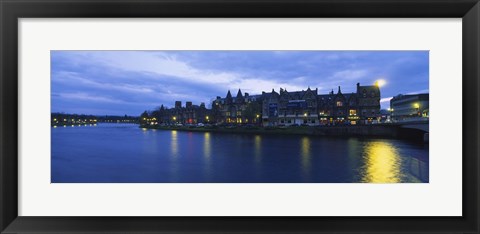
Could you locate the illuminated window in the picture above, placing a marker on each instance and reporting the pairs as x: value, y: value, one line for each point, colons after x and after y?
x: 239, y: 113
x: 339, y: 103
x: 228, y: 113
x: 353, y: 112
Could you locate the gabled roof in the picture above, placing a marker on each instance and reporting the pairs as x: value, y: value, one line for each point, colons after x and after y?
x: 239, y: 93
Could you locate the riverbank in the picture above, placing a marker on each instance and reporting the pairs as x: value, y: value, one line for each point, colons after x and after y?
x: 377, y: 130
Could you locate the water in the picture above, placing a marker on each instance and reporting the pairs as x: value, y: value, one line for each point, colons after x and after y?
x: 124, y: 153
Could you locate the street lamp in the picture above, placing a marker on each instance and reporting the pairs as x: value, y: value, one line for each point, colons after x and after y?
x: 380, y: 83
x: 417, y: 107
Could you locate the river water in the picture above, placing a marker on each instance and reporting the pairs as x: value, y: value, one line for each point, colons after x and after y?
x: 125, y: 153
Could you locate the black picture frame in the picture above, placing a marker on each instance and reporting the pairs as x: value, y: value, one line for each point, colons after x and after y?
x: 12, y: 10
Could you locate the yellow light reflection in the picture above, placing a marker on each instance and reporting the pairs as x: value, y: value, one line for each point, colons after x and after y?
x: 306, y: 156
x: 207, y: 145
x: 258, y: 148
x: 174, y: 143
x: 382, y: 163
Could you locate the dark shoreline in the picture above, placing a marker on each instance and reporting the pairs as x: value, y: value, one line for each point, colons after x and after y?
x: 387, y: 131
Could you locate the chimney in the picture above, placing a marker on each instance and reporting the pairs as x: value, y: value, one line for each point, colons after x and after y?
x: 178, y: 104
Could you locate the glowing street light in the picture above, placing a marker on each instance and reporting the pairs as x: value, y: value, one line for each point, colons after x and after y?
x: 305, y: 114
x: 258, y: 116
x: 417, y: 107
x: 380, y: 83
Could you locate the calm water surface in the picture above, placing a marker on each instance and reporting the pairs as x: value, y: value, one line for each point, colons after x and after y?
x: 124, y: 153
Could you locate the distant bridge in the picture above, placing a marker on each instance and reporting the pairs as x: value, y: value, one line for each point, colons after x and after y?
x: 419, y: 125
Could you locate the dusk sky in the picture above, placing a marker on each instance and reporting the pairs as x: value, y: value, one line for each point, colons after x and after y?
x: 130, y: 82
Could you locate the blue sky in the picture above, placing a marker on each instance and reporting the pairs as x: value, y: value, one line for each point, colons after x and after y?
x: 129, y: 82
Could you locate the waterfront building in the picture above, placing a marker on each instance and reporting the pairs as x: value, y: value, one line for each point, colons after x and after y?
x: 188, y: 114
x: 410, y: 107
x: 241, y: 109
x: 306, y: 107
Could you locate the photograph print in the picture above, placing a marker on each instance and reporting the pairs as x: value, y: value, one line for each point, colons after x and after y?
x: 239, y: 116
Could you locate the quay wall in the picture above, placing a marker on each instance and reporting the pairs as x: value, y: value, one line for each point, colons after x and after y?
x: 378, y: 130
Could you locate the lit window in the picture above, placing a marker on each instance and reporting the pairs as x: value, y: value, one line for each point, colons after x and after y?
x: 339, y: 103
x: 353, y: 112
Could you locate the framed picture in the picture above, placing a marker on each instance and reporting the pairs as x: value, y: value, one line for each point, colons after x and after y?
x: 278, y: 116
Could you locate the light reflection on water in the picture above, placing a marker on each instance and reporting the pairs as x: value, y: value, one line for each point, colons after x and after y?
x: 207, y: 144
x: 382, y: 163
x: 258, y: 149
x: 306, y: 157
x: 109, y: 153
x: 174, y: 143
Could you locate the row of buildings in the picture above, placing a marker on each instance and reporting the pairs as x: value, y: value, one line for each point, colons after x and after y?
x: 306, y: 107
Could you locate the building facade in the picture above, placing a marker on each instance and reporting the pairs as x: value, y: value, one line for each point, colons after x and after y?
x: 306, y: 107
x: 188, y: 114
x: 409, y: 107
x: 241, y: 109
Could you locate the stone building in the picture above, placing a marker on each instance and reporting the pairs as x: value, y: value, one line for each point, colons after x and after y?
x: 188, y: 114
x: 241, y: 109
x: 305, y: 107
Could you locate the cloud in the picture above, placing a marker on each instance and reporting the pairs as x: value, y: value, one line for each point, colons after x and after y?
x: 88, y: 97
x: 387, y: 99
x: 142, y: 78
x: 77, y: 79
x: 349, y: 74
